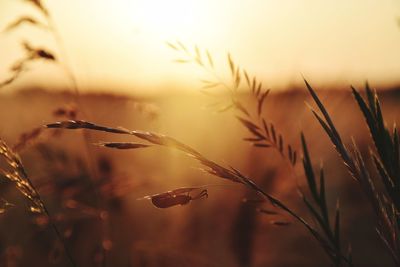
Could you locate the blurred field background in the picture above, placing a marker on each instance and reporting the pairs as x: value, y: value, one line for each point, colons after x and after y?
x: 218, y: 231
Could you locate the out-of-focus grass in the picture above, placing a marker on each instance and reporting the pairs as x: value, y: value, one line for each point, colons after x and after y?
x: 204, y: 233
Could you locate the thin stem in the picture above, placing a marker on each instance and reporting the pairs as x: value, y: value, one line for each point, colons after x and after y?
x: 53, y: 225
x: 85, y: 136
x: 60, y: 237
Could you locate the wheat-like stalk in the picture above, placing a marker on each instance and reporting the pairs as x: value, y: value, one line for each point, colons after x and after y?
x: 18, y: 176
x: 216, y: 169
x: 31, y: 53
x: 263, y: 133
x: 45, y: 22
x: 387, y: 163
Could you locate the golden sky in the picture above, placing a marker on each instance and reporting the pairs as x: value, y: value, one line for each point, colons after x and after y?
x: 120, y: 44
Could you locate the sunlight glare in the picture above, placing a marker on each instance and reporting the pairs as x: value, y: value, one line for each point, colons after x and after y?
x: 167, y: 19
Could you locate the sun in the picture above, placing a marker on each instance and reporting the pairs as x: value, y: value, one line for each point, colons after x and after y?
x: 167, y: 20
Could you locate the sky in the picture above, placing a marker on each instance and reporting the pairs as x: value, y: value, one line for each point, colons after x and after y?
x: 119, y: 45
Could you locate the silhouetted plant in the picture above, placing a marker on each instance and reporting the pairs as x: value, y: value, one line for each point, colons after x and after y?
x: 263, y: 133
x: 386, y: 156
x: 329, y: 238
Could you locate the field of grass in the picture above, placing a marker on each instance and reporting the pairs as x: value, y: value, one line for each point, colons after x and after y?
x: 233, y: 174
x: 92, y: 192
